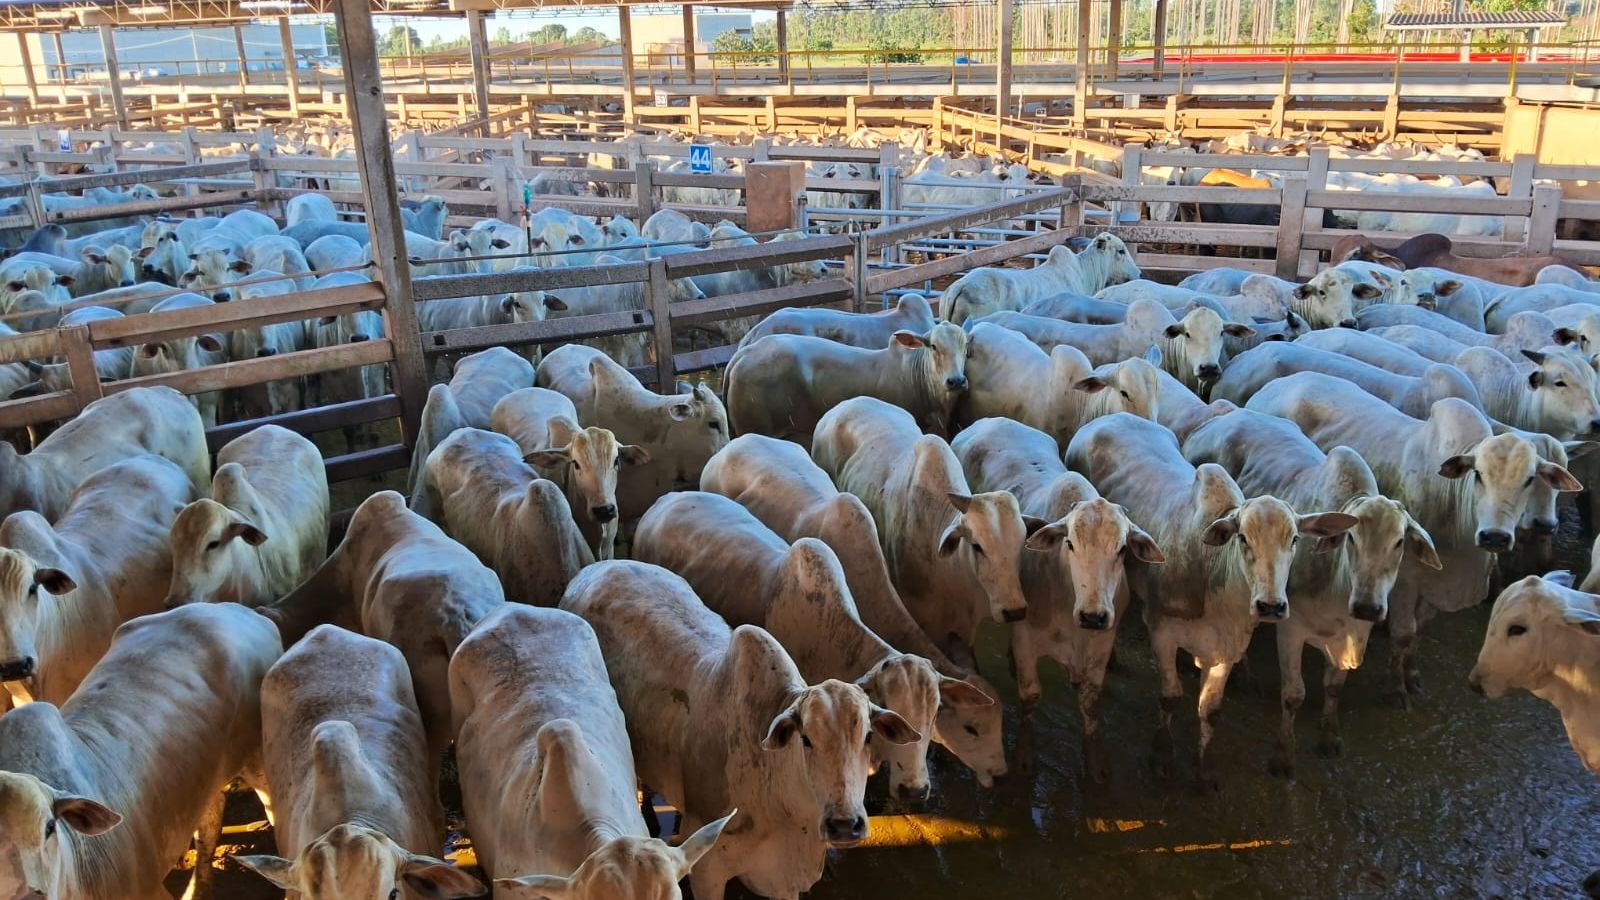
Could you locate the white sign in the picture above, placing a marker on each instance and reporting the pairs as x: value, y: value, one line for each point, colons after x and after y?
x: 700, y: 159
x: 661, y: 98
x: 64, y: 140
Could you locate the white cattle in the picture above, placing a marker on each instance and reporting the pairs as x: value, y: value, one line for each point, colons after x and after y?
x: 274, y: 253
x: 618, y: 230
x: 180, y: 354
x: 1577, y: 326
x: 1425, y: 464
x: 17, y: 280
x: 502, y: 247
x: 110, y: 364
x: 1191, y: 347
x: 1228, y: 558
x: 1368, y: 347
x: 477, y: 487
x: 1328, y: 300
x: 433, y: 257
x: 1541, y: 639
x: 1076, y: 589
x: 1340, y: 585
x: 261, y: 341
x: 1056, y: 392
x: 720, y: 720
x: 783, y: 384
x: 309, y: 208
x: 547, y: 774
x: 1527, y: 331
x: 468, y: 399
x: 1106, y: 261
x: 95, y: 270
x: 355, y: 795
x: 398, y: 578
x: 1267, y: 363
x: 583, y: 461
x: 955, y: 556
x: 1225, y: 281
x: 1534, y: 298
x: 357, y: 382
x: 1555, y: 395
x: 264, y: 528
x: 632, y: 350
x: 1446, y: 293
x: 791, y: 495
x: 671, y: 226
x: 103, y: 561
x: 99, y: 802
x: 163, y: 257
x: 1568, y: 277
x: 233, y: 232
x: 1181, y: 411
x: 141, y: 420
x: 717, y: 198
x: 680, y: 432
x: 334, y: 251
x: 871, y: 331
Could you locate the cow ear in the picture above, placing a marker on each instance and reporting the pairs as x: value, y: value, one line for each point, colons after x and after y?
x: 144, y: 252
x: 555, y: 303
x: 908, y: 340
x: 1535, y: 378
x: 1032, y: 524
x: 956, y: 692
x: 1420, y: 543
x: 633, y: 455
x: 962, y: 502
x: 681, y: 412
x: 1152, y: 355
x: 549, y: 458
x: 54, y: 581
x: 1326, y: 525
x: 508, y: 303
x: 1585, y: 620
x: 245, y: 531
x: 951, y: 538
x: 194, y: 257
x: 782, y: 730
x: 1222, y: 530
x: 1143, y: 547
x: 1558, y: 478
x: 66, y: 280
x: 1238, y: 330
x: 209, y: 343
x: 435, y: 879
x: 1045, y: 539
x: 239, y: 265
x: 889, y: 726
x: 275, y: 869
x: 500, y: 243
x: 1175, y: 330
x: 84, y: 816
x: 1579, y: 449
x: 94, y: 256
x: 533, y: 887
x: 1092, y: 384
x: 700, y: 843
x: 1564, y: 336
x: 1447, y: 287
x: 1456, y: 466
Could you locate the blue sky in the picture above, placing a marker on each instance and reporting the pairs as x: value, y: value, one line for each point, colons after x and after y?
x: 606, y: 22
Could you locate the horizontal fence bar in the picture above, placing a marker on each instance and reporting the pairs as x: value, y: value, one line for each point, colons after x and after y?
x: 311, y: 421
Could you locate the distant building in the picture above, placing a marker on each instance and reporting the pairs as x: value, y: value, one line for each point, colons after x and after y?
x: 153, y: 52
x: 662, y: 36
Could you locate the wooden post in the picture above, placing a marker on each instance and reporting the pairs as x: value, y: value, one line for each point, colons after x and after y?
x: 191, y: 156
x: 244, y: 60
x: 772, y: 191
x: 688, y: 44
x: 1159, y: 39
x: 1132, y: 167
x: 509, y: 193
x: 855, y: 267
x: 657, y: 298
x: 477, y: 42
x: 1080, y: 90
x: 1290, y: 222
x: 79, y: 352
x: 108, y: 45
x: 783, y: 44
x: 1311, y: 220
x: 1114, y: 39
x: 26, y: 53
x: 267, y: 179
x: 694, y: 113
x: 60, y: 76
x: 364, y: 107
x: 644, y: 189
x: 850, y: 120
x: 1542, y: 224
x: 1002, y: 77
x: 1521, y: 187
x: 291, y: 76
x: 625, y: 36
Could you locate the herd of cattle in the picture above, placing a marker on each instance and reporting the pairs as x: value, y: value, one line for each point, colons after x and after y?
x: 748, y: 608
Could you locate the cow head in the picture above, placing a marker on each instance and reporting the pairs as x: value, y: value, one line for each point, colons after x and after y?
x: 1501, y: 470
x: 940, y: 355
x: 25, y: 584
x: 530, y: 306
x: 1262, y: 533
x: 1331, y: 299
x: 1093, y: 542
x: 1108, y: 261
x: 1194, y: 344
x: 1583, y: 336
x: 1131, y: 386
x: 988, y: 531
x: 1538, y: 630
x: 628, y: 866
x: 970, y: 725
x: 1375, y: 546
x: 590, y: 460
x: 355, y: 861
x: 40, y: 828
x: 114, y: 264
x: 214, y: 551
x: 1562, y: 392
x: 212, y: 269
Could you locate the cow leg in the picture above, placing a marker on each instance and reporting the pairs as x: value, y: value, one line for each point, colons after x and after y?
x: 1402, y: 641
x: 1025, y: 668
x: 206, y: 837
x: 608, y: 541
x: 1332, y: 743
x: 1094, y: 747
x: 1290, y: 659
x: 1166, y: 651
x: 1211, y: 691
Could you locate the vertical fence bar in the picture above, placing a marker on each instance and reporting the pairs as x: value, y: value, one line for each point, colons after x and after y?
x: 657, y: 298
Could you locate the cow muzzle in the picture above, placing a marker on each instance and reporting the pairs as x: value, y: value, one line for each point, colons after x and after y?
x: 1014, y: 615
x: 1272, y: 610
x: 845, y: 832
x: 127, y: 282
x: 1475, y: 681
x: 912, y: 793
x: 1094, y: 621
x: 956, y: 383
x: 222, y: 296
x: 1494, y: 540
x: 1367, y: 611
x: 1208, y: 370
x: 1347, y: 323
x: 18, y: 669
x: 604, y: 513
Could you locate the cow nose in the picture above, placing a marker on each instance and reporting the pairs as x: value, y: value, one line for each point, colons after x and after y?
x: 17, y: 669
x: 956, y: 382
x: 1014, y: 615
x: 1094, y: 621
x: 1494, y: 540
x: 1476, y: 683
x: 1272, y: 609
x: 1594, y: 425
x: 127, y: 282
x: 1209, y: 370
x: 1367, y: 612
x: 1545, y: 527
x: 846, y: 831
x: 222, y: 296
x: 912, y: 792
x: 1347, y: 323
x: 603, y: 513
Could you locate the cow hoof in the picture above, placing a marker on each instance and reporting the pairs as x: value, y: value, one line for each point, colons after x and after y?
x: 1280, y: 767
x: 1399, y: 699
x: 1413, y: 682
x: 1591, y: 885
x: 1331, y: 746
x: 1096, y: 767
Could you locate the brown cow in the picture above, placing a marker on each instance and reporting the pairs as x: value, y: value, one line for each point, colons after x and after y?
x: 1360, y: 247
x: 1436, y: 250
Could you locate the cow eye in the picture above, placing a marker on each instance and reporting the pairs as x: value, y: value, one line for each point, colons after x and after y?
x: 1561, y: 384
x: 213, y: 545
x: 1528, y: 482
x: 868, y: 741
x: 50, y: 829
x: 1400, y: 543
x: 33, y: 591
x: 977, y: 549
x: 394, y: 894
x: 577, y: 466
x: 805, y: 742
x: 715, y: 425
x: 970, y: 729
x: 1070, y: 548
x: 1516, y: 631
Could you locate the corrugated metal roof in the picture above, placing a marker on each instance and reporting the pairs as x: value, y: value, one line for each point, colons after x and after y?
x: 1511, y: 19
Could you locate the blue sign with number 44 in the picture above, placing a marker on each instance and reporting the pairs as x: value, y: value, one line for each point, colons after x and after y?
x: 700, y: 159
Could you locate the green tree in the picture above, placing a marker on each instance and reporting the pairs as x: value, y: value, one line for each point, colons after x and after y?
x: 399, y: 40
x: 731, y: 42
x: 554, y: 33
x: 502, y: 35
x: 587, y: 35
x: 330, y: 34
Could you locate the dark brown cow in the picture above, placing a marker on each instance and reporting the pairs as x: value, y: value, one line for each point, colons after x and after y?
x: 1436, y: 250
x: 1360, y: 247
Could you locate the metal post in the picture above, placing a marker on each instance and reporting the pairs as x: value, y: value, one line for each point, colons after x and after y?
x: 27, y: 67
x: 783, y: 44
x: 625, y: 36
x: 108, y: 45
x: 478, y: 41
x: 688, y: 42
x: 290, y: 74
x: 364, y: 107
x: 244, y: 60
x: 1159, y: 39
x: 1002, y: 73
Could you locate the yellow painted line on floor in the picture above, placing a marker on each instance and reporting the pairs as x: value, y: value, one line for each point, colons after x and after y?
x: 1259, y: 844
x: 927, y: 830
x: 1110, y: 826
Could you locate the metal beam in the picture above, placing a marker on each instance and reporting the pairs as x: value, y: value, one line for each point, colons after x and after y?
x: 1002, y: 70
x: 244, y: 59
x: 783, y: 44
x: 290, y: 66
x: 1159, y: 39
x: 358, y: 53
x: 625, y: 36
x: 688, y: 41
x: 478, y: 42
x: 108, y: 46
x: 26, y: 54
